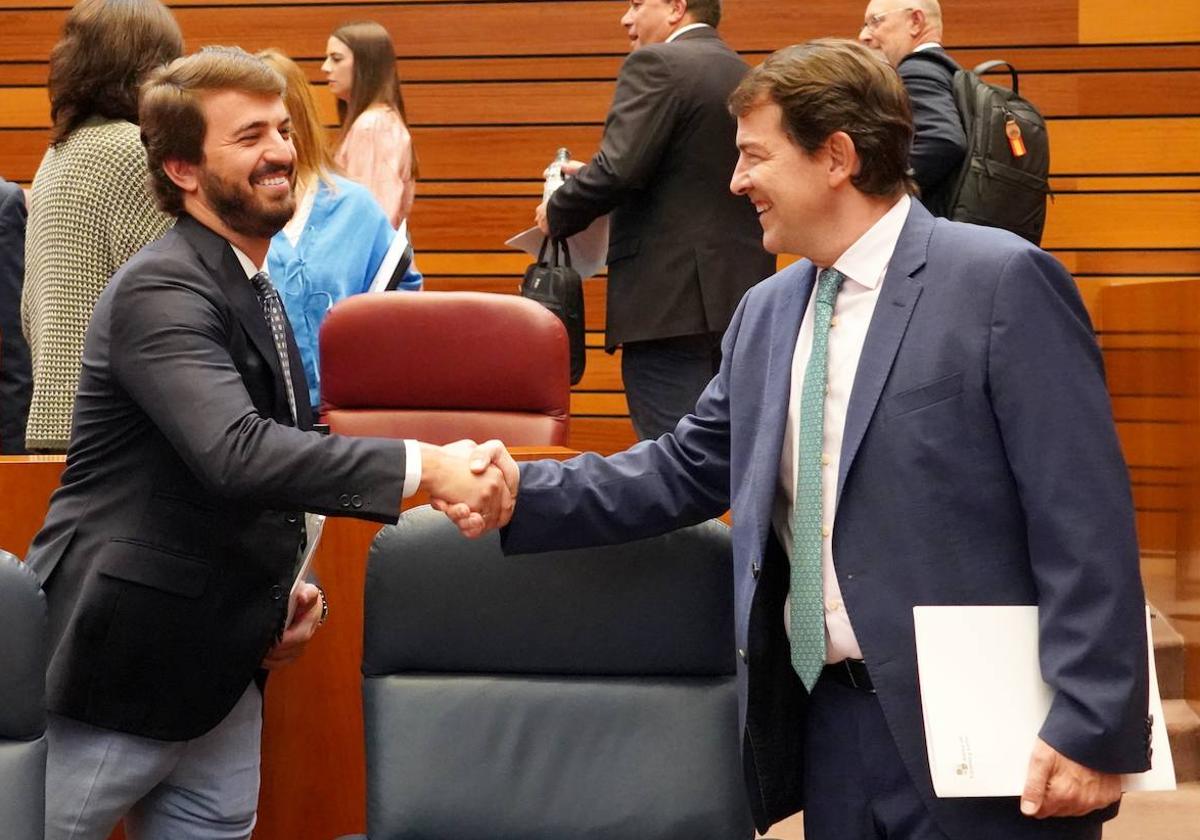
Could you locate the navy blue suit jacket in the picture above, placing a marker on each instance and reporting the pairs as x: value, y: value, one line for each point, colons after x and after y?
x: 980, y: 465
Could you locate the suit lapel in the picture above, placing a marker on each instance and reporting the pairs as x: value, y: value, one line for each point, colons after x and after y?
x: 223, y: 265
x: 770, y: 421
x: 897, y: 300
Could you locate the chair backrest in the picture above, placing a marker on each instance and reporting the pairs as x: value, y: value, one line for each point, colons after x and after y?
x: 586, y: 693
x: 23, y: 641
x: 441, y: 366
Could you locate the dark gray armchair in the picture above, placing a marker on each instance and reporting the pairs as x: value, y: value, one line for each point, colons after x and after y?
x: 22, y: 701
x: 580, y: 694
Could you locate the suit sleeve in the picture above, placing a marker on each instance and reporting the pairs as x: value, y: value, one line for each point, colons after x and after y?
x: 637, y: 135
x: 656, y: 486
x: 169, y: 350
x: 939, y: 143
x: 1053, y: 409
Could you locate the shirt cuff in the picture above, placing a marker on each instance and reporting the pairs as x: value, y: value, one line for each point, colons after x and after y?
x: 412, y: 467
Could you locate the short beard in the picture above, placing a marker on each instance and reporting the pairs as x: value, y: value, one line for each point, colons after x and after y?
x: 233, y: 209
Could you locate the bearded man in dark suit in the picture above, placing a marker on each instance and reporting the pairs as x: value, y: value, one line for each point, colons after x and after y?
x: 681, y: 250
x: 168, y: 553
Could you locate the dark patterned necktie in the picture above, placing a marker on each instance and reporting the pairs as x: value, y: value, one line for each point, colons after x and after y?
x: 273, y: 312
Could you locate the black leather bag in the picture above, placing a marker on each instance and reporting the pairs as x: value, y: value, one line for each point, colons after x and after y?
x: 558, y: 287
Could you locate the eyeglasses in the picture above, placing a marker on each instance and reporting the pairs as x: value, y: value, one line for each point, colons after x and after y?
x: 873, y: 22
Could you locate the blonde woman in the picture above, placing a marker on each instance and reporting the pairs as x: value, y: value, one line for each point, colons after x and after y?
x: 337, y: 240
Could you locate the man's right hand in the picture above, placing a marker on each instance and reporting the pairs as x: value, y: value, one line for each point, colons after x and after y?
x: 465, y: 484
x: 484, y: 459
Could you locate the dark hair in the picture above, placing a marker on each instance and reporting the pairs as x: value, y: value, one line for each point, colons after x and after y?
x: 106, y: 49
x: 375, y: 80
x: 705, y: 11
x: 830, y: 85
x: 172, y: 114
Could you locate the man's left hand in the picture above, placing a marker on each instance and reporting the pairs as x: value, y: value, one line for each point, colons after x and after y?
x: 1056, y: 786
x: 539, y: 218
x: 304, y: 624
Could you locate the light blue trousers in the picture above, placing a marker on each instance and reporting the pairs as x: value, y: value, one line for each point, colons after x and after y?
x: 203, y: 789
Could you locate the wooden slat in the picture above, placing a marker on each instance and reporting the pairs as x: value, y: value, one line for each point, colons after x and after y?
x: 604, y: 435
x: 533, y: 28
x: 1162, y: 373
x: 1128, y: 262
x: 1118, y: 220
x: 1088, y: 146
x: 1119, y: 21
x: 1028, y: 60
x: 1125, y: 183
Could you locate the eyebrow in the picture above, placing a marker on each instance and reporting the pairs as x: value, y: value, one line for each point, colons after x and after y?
x: 241, y: 129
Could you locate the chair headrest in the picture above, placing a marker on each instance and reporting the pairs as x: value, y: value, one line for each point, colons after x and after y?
x: 444, y: 350
x: 436, y: 601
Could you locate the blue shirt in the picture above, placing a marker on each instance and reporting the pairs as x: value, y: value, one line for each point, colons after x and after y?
x: 337, y: 255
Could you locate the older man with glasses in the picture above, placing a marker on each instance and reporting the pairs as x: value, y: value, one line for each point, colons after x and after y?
x: 909, y: 36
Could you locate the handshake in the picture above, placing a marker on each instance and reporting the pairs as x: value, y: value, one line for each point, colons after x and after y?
x: 475, y: 485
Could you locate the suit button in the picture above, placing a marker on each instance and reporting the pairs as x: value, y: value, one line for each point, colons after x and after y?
x: 742, y: 655
x: 291, y: 518
x: 755, y: 570
x: 356, y: 501
x: 344, y: 500
x: 276, y: 592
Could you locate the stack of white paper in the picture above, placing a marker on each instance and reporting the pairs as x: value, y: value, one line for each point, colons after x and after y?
x: 984, y: 701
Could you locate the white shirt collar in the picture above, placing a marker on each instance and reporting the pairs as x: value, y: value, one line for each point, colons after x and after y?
x: 867, y: 259
x: 248, y: 265
x: 683, y: 29
x: 928, y: 45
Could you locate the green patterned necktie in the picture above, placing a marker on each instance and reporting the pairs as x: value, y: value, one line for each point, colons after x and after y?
x: 807, y: 595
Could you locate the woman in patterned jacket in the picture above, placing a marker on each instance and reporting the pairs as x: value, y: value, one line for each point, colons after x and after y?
x: 90, y: 207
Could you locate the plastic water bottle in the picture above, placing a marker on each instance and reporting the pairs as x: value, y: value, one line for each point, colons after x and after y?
x: 553, y: 173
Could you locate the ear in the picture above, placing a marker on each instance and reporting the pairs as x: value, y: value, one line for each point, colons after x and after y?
x: 916, y: 24
x: 185, y: 175
x: 844, y: 162
x: 679, y: 8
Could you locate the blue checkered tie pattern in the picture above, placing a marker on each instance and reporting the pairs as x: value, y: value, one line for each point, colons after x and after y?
x: 808, y: 522
x: 273, y: 311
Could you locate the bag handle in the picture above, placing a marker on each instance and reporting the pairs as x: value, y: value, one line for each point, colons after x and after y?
x: 989, y: 66
x: 566, y: 252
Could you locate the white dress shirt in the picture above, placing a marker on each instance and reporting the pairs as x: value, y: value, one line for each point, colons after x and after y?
x: 864, y: 265
x: 412, y: 449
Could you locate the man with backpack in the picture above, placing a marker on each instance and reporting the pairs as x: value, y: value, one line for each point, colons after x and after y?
x: 909, y: 33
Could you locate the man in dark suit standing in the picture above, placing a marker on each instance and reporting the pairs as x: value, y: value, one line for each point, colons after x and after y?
x: 915, y: 414
x: 682, y: 251
x: 169, y: 551
x: 909, y: 34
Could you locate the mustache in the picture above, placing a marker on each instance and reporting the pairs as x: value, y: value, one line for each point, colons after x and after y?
x: 267, y: 170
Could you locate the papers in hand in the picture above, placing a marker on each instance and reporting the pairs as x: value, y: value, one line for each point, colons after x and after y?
x: 589, y: 248
x: 984, y: 701
x: 395, y: 263
x: 314, y: 523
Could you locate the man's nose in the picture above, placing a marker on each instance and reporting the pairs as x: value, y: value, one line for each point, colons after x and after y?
x: 739, y: 183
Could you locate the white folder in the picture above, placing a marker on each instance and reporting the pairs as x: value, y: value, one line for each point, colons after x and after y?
x: 984, y: 701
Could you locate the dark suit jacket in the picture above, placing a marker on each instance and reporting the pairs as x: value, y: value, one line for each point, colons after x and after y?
x: 939, y: 142
x: 980, y: 466
x: 682, y: 249
x: 16, y: 377
x: 169, y: 549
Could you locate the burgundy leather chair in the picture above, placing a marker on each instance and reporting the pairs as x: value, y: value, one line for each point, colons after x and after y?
x: 442, y: 366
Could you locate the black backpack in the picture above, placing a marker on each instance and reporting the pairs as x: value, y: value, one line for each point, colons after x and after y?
x: 1004, y: 178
